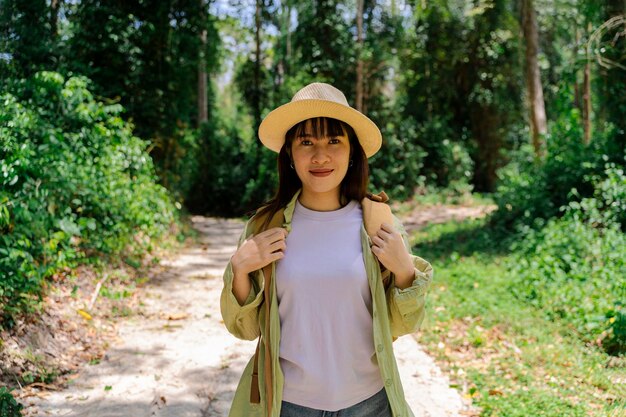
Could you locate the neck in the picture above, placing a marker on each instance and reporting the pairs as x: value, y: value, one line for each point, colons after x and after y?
x: 320, y: 201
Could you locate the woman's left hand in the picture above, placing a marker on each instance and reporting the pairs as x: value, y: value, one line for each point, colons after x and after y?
x: 389, y: 248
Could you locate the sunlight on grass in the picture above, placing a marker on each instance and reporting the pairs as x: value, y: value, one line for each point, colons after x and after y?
x: 498, y: 351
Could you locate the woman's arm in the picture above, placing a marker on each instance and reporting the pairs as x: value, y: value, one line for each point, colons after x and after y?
x: 241, y: 319
x: 407, y: 305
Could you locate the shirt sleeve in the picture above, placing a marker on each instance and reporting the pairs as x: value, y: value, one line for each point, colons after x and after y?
x: 407, y: 306
x: 242, y: 321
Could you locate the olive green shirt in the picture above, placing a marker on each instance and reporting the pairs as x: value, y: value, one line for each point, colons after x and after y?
x: 395, y: 312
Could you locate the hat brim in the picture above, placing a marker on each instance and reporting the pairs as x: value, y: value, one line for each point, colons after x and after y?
x: 275, y: 125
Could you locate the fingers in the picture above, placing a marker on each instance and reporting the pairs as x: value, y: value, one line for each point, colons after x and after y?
x: 274, y: 234
x: 276, y: 256
x: 378, y: 241
x: 272, y: 244
x: 385, y: 231
x: 277, y: 246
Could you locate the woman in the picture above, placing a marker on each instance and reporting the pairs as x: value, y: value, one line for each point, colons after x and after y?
x: 326, y: 319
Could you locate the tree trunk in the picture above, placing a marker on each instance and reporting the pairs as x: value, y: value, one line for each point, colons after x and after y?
x: 533, y: 77
x: 587, y: 103
x: 577, y: 103
x: 284, y: 55
x: 587, y: 96
x: 257, y: 70
x: 359, y: 61
x: 288, y: 47
x: 485, y: 121
x: 54, y: 17
x: 203, y: 115
x: 203, y: 104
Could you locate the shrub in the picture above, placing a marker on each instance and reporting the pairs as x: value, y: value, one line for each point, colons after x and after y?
x: 74, y: 181
x: 574, y: 268
x: 530, y: 192
x: 9, y: 407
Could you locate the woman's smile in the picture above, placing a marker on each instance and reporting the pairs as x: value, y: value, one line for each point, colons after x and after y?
x: 321, y: 172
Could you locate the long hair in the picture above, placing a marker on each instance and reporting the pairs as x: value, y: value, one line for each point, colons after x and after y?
x: 354, y: 184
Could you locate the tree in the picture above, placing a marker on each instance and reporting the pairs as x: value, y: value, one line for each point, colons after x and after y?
x: 461, y: 70
x: 358, y: 103
x: 203, y: 115
x: 538, y: 123
x: 609, y: 49
x: 27, y: 38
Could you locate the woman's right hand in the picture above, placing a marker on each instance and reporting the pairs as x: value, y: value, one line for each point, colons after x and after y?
x: 259, y: 251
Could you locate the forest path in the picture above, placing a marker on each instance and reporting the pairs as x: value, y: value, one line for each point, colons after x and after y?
x: 175, y: 358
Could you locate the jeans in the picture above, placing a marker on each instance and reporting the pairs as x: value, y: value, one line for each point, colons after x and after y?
x: 375, y: 406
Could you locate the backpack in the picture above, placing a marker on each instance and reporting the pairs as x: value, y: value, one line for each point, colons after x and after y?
x: 375, y: 213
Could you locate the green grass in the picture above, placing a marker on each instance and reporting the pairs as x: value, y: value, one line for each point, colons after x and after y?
x: 498, y: 351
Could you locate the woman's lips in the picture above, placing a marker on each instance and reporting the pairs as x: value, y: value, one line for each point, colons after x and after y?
x: 321, y: 172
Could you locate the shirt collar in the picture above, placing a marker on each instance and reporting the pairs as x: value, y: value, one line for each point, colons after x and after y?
x: 288, y: 213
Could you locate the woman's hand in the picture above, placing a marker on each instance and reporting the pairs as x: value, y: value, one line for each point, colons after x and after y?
x: 259, y: 251
x: 389, y: 248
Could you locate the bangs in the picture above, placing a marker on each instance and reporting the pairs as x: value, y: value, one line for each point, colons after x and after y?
x: 321, y: 127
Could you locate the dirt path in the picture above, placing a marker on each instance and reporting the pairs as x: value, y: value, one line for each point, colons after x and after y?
x: 176, y: 359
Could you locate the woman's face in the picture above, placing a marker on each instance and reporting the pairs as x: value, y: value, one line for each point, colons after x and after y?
x: 321, y: 163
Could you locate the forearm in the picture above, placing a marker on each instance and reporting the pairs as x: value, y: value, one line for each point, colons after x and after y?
x: 405, y: 279
x: 241, y: 285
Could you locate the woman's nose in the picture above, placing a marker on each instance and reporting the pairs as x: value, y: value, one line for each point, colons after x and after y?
x: 320, y: 155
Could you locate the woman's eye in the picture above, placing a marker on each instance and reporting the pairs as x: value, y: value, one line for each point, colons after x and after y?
x: 305, y: 142
x: 334, y: 140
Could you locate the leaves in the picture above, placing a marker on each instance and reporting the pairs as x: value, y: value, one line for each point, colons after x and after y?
x: 84, y: 184
x: 86, y: 315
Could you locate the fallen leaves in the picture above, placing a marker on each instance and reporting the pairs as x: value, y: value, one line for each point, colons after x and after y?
x: 83, y: 313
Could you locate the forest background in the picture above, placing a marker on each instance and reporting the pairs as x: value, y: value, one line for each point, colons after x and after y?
x: 119, y: 117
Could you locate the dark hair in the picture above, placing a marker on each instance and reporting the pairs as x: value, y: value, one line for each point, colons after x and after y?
x: 354, y: 184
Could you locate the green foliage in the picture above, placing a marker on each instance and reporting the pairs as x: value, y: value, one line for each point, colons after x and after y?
x: 535, y: 402
x: 142, y: 55
x: 223, y: 177
x: 457, y: 79
x: 323, y: 44
x: 530, y: 191
x: 508, y: 357
x: 75, y: 181
x: 27, y: 40
x: 9, y: 407
x: 574, y: 268
x: 396, y: 167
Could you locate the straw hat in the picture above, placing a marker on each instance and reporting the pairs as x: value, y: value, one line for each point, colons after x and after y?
x: 318, y: 100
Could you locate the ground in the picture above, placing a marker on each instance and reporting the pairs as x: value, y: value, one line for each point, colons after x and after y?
x: 171, y: 355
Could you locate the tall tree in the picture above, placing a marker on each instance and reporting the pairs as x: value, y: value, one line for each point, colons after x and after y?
x: 359, y: 56
x: 203, y: 106
x: 25, y: 38
x: 54, y: 17
x: 323, y: 44
x: 538, y: 125
x: 609, y: 46
x: 460, y: 72
x: 256, y: 100
x: 586, y: 98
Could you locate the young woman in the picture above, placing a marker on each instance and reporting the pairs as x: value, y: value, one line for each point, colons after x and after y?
x: 326, y: 318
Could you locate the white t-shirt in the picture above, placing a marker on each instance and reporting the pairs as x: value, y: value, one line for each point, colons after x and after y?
x: 327, y: 345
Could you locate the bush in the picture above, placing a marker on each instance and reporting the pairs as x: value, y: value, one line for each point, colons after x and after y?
x: 403, y: 166
x: 74, y: 181
x: 530, y: 192
x: 9, y: 407
x: 574, y: 268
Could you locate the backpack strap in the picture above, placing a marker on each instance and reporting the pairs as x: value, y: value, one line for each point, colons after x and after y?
x: 375, y: 213
x: 255, y: 394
